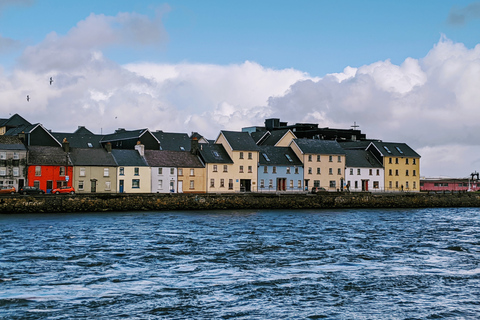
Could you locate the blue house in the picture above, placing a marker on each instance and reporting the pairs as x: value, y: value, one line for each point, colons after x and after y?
x: 280, y: 170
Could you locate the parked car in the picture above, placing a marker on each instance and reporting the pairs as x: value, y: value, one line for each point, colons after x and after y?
x: 318, y: 189
x: 60, y: 190
x: 30, y: 190
x: 5, y: 190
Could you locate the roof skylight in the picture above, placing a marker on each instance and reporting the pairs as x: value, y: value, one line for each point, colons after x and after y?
x: 266, y: 157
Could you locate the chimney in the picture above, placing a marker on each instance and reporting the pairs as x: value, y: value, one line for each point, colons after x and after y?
x: 108, y: 147
x: 194, y: 146
x: 21, y: 136
x: 140, y: 148
x: 65, y: 145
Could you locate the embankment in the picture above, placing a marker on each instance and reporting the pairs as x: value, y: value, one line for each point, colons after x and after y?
x: 164, y: 202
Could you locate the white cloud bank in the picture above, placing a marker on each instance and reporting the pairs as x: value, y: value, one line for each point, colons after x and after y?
x: 432, y: 104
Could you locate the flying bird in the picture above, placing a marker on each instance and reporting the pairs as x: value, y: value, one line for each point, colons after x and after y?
x: 28, y: 97
x: 51, y: 80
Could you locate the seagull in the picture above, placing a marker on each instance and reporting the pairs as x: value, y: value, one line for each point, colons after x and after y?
x: 51, y: 80
x: 28, y: 97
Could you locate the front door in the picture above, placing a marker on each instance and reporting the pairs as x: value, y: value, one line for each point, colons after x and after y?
x: 49, y: 186
x: 120, y: 184
x: 93, y: 185
x: 180, y: 186
x: 21, y: 183
x: 281, y: 184
x: 245, y: 185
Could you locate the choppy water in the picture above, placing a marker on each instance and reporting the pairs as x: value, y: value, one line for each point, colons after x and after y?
x: 348, y: 264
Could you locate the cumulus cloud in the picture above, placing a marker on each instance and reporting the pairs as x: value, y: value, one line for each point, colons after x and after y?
x: 459, y: 16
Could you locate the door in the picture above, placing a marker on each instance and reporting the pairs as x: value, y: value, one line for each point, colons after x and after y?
x: 120, y: 184
x: 245, y: 185
x: 281, y: 184
x: 180, y: 186
x: 93, y: 185
x: 21, y: 183
x: 172, y: 186
x: 49, y: 186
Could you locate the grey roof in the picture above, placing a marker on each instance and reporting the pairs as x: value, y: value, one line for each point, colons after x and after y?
x: 83, y: 130
x: 274, y: 137
x: 278, y: 156
x: 21, y: 128
x: 173, y: 141
x: 394, y: 149
x: 214, y: 153
x: 47, y: 156
x: 122, y: 134
x: 79, y: 140
x: 240, y: 141
x: 168, y: 158
x: 11, y: 143
x: 359, y: 144
x: 13, y: 121
x: 128, y: 158
x: 258, y: 135
x: 315, y: 146
x: 92, y: 157
x: 361, y: 159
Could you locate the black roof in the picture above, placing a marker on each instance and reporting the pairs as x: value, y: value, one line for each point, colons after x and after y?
x: 214, y: 153
x: 14, y: 121
x: 122, y: 134
x: 278, y: 156
x: 129, y: 158
x: 79, y: 140
x: 168, y: 158
x: 48, y: 156
x: 361, y: 159
x: 315, y: 146
x: 259, y: 136
x: 240, y: 141
x: 11, y: 143
x: 173, y: 141
x: 92, y: 157
x: 83, y: 130
x: 274, y: 137
x: 394, y: 149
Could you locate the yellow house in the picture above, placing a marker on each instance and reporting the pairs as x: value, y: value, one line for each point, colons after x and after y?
x: 323, y: 163
x: 219, y: 168
x: 94, y: 170
x: 133, y: 173
x: 243, y: 151
x: 401, y: 163
x: 191, y: 172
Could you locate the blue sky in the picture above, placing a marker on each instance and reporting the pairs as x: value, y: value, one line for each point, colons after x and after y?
x: 403, y: 70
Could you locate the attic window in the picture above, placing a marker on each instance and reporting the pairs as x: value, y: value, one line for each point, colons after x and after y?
x: 399, y: 150
x: 90, y: 145
x: 288, y: 157
x: 266, y: 157
x: 216, y: 155
x: 386, y: 148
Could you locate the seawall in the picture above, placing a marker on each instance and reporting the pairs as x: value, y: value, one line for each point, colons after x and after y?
x: 164, y: 202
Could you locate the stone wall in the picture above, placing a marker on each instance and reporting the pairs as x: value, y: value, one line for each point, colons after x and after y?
x: 162, y: 202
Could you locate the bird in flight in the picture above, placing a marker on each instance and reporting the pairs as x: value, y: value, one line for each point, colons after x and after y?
x: 28, y: 97
x: 51, y: 80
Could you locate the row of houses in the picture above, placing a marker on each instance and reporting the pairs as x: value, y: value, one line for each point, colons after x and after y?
x: 144, y: 161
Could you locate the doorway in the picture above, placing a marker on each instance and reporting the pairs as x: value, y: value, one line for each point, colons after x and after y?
x: 120, y: 184
x: 281, y: 184
x: 245, y: 185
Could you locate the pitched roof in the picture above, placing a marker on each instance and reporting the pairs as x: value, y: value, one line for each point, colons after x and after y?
x: 122, y: 134
x: 394, y: 149
x: 240, y: 141
x: 92, y: 157
x: 51, y: 156
x: 359, y: 144
x: 274, y: 137
x: 315, y: 146
x: 259, y: 136
x: 214, y: 153
x: 79, y: 140
x: 11, y: 143
x: 278, y: 156
x: 129, y: 158
x: 168, y: 158
x: 83, y: 130
x: 173, y: 141
x: 14, y: 121
x: 361, y: 159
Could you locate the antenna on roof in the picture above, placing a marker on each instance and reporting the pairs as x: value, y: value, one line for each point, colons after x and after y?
x: 355, y: 125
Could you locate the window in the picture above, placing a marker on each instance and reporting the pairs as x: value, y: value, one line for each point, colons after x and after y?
x: 249, y: 156
x: 291, y: 184
x: 351, y: 171
x: 370, y: 172
x: 339, y: 158
x: 3, y: 155
x: 406, y: 184
x: 192, y: 172
x: 406, y: 172
x: 241, y: 169
x: 250, y: 169
x: 318, y: 158
x: 389, y: 172
x: 316, y: 183
x: 135, y: 183
x: 309, y: 170
x: 270, y: 183
x: 36, y: 183
x: 299, y: 184
x: 160, y: 171
x: 108, y: 185
x: 62, y: 171
x: 414, y: 185
x: 358, y: 172
x: 122, y: 171
x: 225, y: 168
x: 339, y: 171
x: 376, y: 184
x: 16, y: 172
x: 241, y: 155
x: 265, y: 169
x: 390, y: 184
x: 330, y: 171
x: 222, y: 183
x: 378, y: 172
x: 214, y: 168
x: 296, y: 170
x: 172, y: 171
x: 396, y: 172
x: 330, y: 158
x: 38, y: 171
x: 80, y: 185
x: 333, y: 184
x: 3, y: 171
x: 16, y: 156
x: 406, y: 160
x: 396, y: 184
x: 396, y: 160
x: 160, y: 184
x: 136, y: 171
x: 414, y: 161
x: 212, y: 183
x: 390, y: 160
x: 274, y: 170
x: 180, y: 171
x: 262, y: 183
x: 288, y: 170
x: 318, y: 170
x: 414, y: 173
x: 105, y: 172
x: 310, y: 157
x: 192, y: 184
x: 230, y: 184
x: 356, y: 184
x: 82, y: 172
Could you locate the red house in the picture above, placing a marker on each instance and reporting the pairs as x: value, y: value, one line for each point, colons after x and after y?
x: 449, y: 184
x: 49, y: 168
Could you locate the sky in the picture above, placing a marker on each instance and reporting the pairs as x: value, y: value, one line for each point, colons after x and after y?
x: 404, y: 71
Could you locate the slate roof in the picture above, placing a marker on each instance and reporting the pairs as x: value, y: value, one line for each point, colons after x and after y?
x: 128, y: 158
x: 11, y: 143
x: 393, y: 149
x: 258, y: 135
x: 47, y: 156
x: 315, y: 146
x: 214, y: 153
x: 361, y: 159
x: 168, y: 158
x: 274, y: 137
x: 13, y: 121
x: 240, y: 141
x: 21, y: 128
x: 359, y: 144
x: 83, y: 130
x: 278, y: 156
x: 79, y: 140
x: 122, y: 134
x: 173, y: 141
x: 92, y: 157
